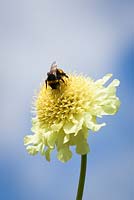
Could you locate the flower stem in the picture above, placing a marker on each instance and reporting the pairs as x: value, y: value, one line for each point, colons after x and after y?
x: 82, y: 177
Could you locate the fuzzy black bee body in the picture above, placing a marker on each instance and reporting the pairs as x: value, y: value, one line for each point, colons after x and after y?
x: 55, y: 76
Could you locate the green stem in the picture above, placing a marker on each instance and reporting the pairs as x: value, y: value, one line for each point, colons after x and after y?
x: 82, y: 177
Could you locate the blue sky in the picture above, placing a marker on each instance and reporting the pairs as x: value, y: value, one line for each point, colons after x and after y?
x: 92, y: 37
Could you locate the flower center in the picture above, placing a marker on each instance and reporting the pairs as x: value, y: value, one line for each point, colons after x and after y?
x: 70, y: 98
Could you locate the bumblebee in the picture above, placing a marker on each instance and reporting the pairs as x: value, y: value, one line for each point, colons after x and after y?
x: 55, y: 76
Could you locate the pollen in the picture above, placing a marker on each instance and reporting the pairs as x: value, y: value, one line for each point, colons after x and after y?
x: 64, y: 116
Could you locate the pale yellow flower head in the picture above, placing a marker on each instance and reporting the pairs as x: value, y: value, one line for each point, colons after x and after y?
x: 65, y: 115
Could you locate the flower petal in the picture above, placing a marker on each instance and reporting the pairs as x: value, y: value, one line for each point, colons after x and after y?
x: 51, y: 138
x: 114, y: 83
x: 64, y: 154
x: 91, y: 124
x: 56, y: 127
x: 66, y: 139
x: 104, y: 79
x: 32, y: 150
x: 70, y: 127
x: 32, y: 139
x: 48, y: 153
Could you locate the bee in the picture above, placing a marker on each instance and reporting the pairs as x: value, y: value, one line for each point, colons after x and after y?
x: 55, y: 76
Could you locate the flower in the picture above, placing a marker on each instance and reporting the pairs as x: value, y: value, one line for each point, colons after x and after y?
x: 65, y: 115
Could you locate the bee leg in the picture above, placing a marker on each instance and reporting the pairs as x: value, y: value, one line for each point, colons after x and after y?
x: 62, y: 80
x: 66, y: 76
x: 46, y: 83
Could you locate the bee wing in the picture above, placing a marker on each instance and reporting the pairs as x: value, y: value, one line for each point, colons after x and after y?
x: 53, y: 67
x: 53, y: 63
